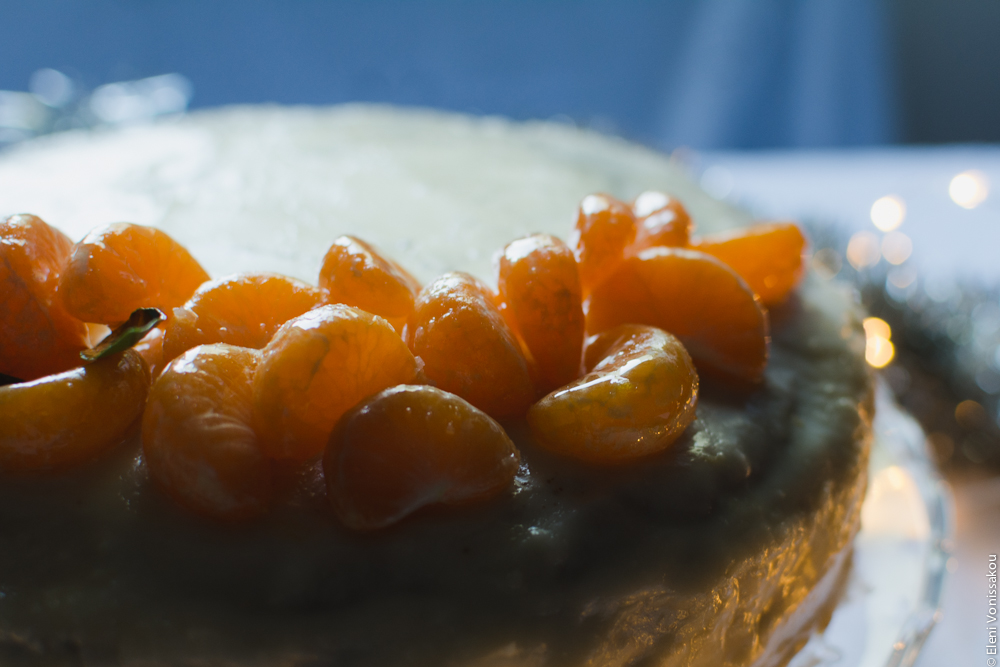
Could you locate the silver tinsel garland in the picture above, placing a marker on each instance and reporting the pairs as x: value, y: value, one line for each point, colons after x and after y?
x: 946, y: 337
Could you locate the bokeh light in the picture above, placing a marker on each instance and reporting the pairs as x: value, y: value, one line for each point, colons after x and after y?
x: 896, y: 247
x: 51, y: 87
x: 717, y: 181
x: 941, y: 288
x: 901, y: 283
x: 876, y: 326
x: 902, y: 278
x: 888, y: 213
x: 969, y: 189
x: 879, y: 350
x: 827, y: 263
x: 863, y: 250
x: 970, y: 414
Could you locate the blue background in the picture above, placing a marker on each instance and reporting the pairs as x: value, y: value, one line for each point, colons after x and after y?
x: 709, y: 74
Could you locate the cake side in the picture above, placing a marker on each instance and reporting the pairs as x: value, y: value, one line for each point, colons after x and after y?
x: 695, y: 558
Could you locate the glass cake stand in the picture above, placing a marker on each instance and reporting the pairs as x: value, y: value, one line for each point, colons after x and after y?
x: 901, y: 555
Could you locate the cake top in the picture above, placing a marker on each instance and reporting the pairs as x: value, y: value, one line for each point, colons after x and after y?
x: 261, y: 188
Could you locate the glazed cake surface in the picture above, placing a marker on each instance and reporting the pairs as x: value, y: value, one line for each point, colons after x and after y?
x: 729, y: 549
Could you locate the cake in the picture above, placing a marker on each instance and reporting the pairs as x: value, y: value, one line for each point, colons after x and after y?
x: 731, y: 548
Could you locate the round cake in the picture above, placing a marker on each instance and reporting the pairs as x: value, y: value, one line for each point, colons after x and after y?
x: 728, y: 549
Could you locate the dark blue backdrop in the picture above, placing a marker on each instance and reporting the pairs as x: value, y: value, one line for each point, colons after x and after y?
x: 717, y: 73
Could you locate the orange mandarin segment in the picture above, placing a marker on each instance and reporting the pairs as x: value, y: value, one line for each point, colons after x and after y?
x: 318, y: 366
x: 71, y: 417
x: 197, y: 434
x: 150, y: 348
x: 37, y: 336
x: 768, y: 256
x: 639, y: 395
x: 245, y: 309
x: 468, y: 348
x: 695, y: 297
x: 357, y: 274
x: 413, y: 446
x: 604, y: 229
x: 660, y: 220
x: 119, y: 268
x: 540, y: 286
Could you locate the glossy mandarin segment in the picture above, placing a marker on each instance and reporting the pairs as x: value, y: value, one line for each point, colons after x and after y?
x: 245, y: 309
x: 37, y: 336
x: 605, y: 227
x: 355, y: 273
x: 695, y: 297
x: 198, y: 438
x: 72, y: 417
x: 660, y: 220
x: 638, y: 396
x: 468, y: 348
x: 768, y: 256
x: 150, y: 348
x: 318, y: 366
x: 413, y: 446
x: 540, y: 287
x: 119, y: 268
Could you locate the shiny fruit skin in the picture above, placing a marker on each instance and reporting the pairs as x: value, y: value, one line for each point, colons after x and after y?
x: 37, y: 336
x: 355, y: 273
x: 413, y: 446
x: 317, y: 367
x: 197, y: 434
x: 468, y: 348
x: 150, y: 348
x: 697, y: 298
x: 245, y: 309
x: 539, y: 286
x: 119, y: 268
x: 660, y: 220
x: 605, y: 227
x: 72, y: 417
x: 639, y: 394
x: 767, y: 255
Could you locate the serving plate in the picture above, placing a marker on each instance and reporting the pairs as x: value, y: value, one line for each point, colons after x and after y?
x: 892, y: 601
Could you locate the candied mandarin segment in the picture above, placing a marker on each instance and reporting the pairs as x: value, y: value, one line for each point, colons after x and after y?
x: 468, y: 348
x: 150, y: 348
x: 245, y: 309
x: 768, y: 256
x: 72, y: 417
x: 604, y: 229
x: 317, y: 367
x: 119, y: 268
x: 413, y: 446
x: 638, y: 396
x: 695, y: 297
x: 660, y: 220
x: 540, y: 286
x: 37, y: 336
x: 356, y: 274
x: 198, y: 438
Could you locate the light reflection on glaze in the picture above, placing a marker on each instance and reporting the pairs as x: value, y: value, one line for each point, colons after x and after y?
x: 593, y: 204
x: 522, y: 248
x: 649, y: 202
